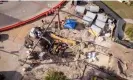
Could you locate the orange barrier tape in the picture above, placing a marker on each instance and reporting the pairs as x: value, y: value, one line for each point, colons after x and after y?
x: 46, y: 13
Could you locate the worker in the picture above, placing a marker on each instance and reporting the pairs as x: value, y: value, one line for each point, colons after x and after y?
x: 28, y: 42
x: 61, y: 49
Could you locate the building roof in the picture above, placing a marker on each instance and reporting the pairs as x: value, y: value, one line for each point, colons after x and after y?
x: 102, y: 17
x: 93, y: 8
x: 91, y: 15
x: 80, y: 9
x: 88, y: 20
x: 96, y: 30
x: 100, y: 24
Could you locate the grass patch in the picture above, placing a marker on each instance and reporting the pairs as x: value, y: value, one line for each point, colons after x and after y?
x: 129, y: 30
x: 125, y: 11
x: 55, y: 75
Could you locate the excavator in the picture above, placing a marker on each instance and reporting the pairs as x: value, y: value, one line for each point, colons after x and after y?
x: 48, y: 41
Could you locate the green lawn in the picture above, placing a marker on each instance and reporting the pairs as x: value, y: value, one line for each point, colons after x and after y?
x: 125, y: 11
x: 129, y: 30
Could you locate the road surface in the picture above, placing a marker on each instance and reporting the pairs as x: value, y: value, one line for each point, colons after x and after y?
x: 14, y: 11
x: 129, y: 20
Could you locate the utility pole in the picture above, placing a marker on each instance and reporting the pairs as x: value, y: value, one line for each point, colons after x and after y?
x: 59, y: 22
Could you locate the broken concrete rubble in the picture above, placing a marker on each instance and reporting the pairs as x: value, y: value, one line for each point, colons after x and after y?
x: 82, y: 56
x: 82, y: 46
x: 75, y: 67
x: 83, y: 37
x: 64, y: 33
x: 85, y: 50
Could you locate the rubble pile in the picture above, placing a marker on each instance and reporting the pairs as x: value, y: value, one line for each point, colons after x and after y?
x: 85, y: 49
x: 102, y: 49
x: 80, y: 36
x: 72, y: 48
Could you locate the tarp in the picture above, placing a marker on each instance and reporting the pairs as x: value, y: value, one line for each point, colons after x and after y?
x: 70, y: 24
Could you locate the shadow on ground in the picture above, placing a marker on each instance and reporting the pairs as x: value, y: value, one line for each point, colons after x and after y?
x: 10, y: 75
x: 102, y: 74
x: 3, y: 37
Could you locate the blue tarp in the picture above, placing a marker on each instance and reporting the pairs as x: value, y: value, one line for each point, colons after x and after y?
x: 70, y: 24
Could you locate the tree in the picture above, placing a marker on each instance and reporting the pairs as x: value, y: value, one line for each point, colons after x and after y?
x: 129, y: 31
x: 55, y: 75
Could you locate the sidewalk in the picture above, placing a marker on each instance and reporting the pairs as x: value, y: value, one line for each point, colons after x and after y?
x: 129, y: 20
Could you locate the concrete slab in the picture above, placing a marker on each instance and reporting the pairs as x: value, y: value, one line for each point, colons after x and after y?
x: 102, y: 60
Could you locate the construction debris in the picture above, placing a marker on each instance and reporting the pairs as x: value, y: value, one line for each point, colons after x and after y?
x: 67, y: 45
x: 70, y: 24
x: 80, y: 36
x: 92, y: 56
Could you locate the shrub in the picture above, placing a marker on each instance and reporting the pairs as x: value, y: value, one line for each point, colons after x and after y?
x: 55, y: 75
x: 129, y: 31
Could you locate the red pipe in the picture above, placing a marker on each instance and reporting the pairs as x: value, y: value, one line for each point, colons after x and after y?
x: 17, y: 24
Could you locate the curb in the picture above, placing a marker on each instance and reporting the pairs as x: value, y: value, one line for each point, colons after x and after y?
x: 46, y: 13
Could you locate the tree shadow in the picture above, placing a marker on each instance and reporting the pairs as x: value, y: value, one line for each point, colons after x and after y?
x: 3, y: 37
x: 10, y: 75
x: 102, y: 73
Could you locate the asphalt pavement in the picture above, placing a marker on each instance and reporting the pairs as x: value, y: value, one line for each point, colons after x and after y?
x: 14, y: 11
